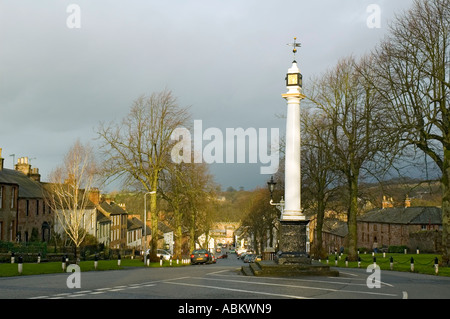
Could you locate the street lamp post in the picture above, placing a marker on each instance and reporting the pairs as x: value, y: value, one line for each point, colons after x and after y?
x: 280, y: 206
x: 145, y: 225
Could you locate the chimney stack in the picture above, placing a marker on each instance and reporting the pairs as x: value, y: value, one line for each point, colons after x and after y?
x: 1, y: 160
x: 407, y: 202
x: 387, y: 203
x: 94, y: 196
x: 35, y: 174
x: 23, y: 166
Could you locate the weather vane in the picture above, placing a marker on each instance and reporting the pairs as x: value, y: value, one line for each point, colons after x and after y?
x: 295, y: 45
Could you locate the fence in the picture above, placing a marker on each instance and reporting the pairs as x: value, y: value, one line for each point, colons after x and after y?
x: 427, y: 263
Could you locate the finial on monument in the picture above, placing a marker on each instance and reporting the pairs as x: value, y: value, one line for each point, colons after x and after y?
x: 295, y: 45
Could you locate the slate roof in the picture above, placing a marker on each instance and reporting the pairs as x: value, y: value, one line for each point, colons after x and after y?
x: 28, y: 188
x: 335, y: 227
x: 400, y: 215
x: 112, y: 208
x: 133, y: 224
x: 102, y: 218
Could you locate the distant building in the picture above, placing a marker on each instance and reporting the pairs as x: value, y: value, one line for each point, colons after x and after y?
x: 393, y: 226
x: 389, y: 226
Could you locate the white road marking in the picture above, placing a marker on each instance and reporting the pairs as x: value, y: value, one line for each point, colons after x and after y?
x: 303, y: 287
x: 236, y: 290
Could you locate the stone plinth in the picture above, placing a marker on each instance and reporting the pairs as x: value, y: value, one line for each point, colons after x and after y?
x: 293, y: 243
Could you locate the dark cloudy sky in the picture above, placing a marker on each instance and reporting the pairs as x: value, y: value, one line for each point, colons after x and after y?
x: 225, y: 59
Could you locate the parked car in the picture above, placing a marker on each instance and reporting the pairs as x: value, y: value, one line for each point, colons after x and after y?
x: 249, y: 258
x: 161, y: 252
x: 223, y: 256
x: 200, y: 256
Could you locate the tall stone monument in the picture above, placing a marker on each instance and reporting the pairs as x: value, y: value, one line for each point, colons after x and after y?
x: 293, y: 241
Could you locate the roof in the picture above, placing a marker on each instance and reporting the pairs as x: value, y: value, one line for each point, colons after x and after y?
x: 28, y: 188
x: 335, y: 226
x: 102, y: 218
x: 134, y: 223
x: 112, y: 208
x: 401, y: 215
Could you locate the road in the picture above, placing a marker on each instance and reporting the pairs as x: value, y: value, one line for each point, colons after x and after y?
x: 222, y: 281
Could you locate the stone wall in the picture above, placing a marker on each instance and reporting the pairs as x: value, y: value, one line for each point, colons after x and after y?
x: 428, y: 241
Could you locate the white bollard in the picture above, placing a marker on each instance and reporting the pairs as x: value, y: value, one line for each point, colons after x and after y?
x: 20, y: 265
x: 436, y: 265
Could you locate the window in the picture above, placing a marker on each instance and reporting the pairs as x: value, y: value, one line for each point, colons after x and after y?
x: 13, y: 197
x: 37, y: 207
x: 1, y: 197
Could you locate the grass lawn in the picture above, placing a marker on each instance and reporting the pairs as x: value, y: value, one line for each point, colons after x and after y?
x: 423, y: 263
x: 8, y: 269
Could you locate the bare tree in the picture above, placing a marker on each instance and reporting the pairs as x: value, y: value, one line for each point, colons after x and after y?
x: 139, y: 148
x: 351, y: 107
x: 189, y: 190
x: 261, y: 219
x: 67, y: 194
x: 411, y: 72
x: 319, y: 177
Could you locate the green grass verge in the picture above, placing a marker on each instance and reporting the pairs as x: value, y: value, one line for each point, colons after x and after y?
x: 423, y: 263
x: 9, y: 270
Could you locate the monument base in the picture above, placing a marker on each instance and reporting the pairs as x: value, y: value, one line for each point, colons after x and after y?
x: 293, y: 243
x: 292, y: 260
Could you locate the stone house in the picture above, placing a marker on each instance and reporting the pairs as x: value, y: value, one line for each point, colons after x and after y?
x: 334, y: 234
x: 388, y: 226
x: 134, y: 233
x: 24, y: 216
x: 9, y: 189
x: 393, y: 226
x: 103, y: 229
x: 118, y: 217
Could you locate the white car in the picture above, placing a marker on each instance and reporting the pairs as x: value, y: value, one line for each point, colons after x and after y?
x: 161, y: 252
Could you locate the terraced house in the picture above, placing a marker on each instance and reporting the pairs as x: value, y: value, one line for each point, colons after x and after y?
x: 24, y: 215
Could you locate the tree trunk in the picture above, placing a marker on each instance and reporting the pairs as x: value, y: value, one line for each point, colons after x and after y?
x: 179, y: 235
x: 154, y: 220
x: 352, y: 214
x: 446, y: 207
x: 320, y: 217
x: 192, y: 232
